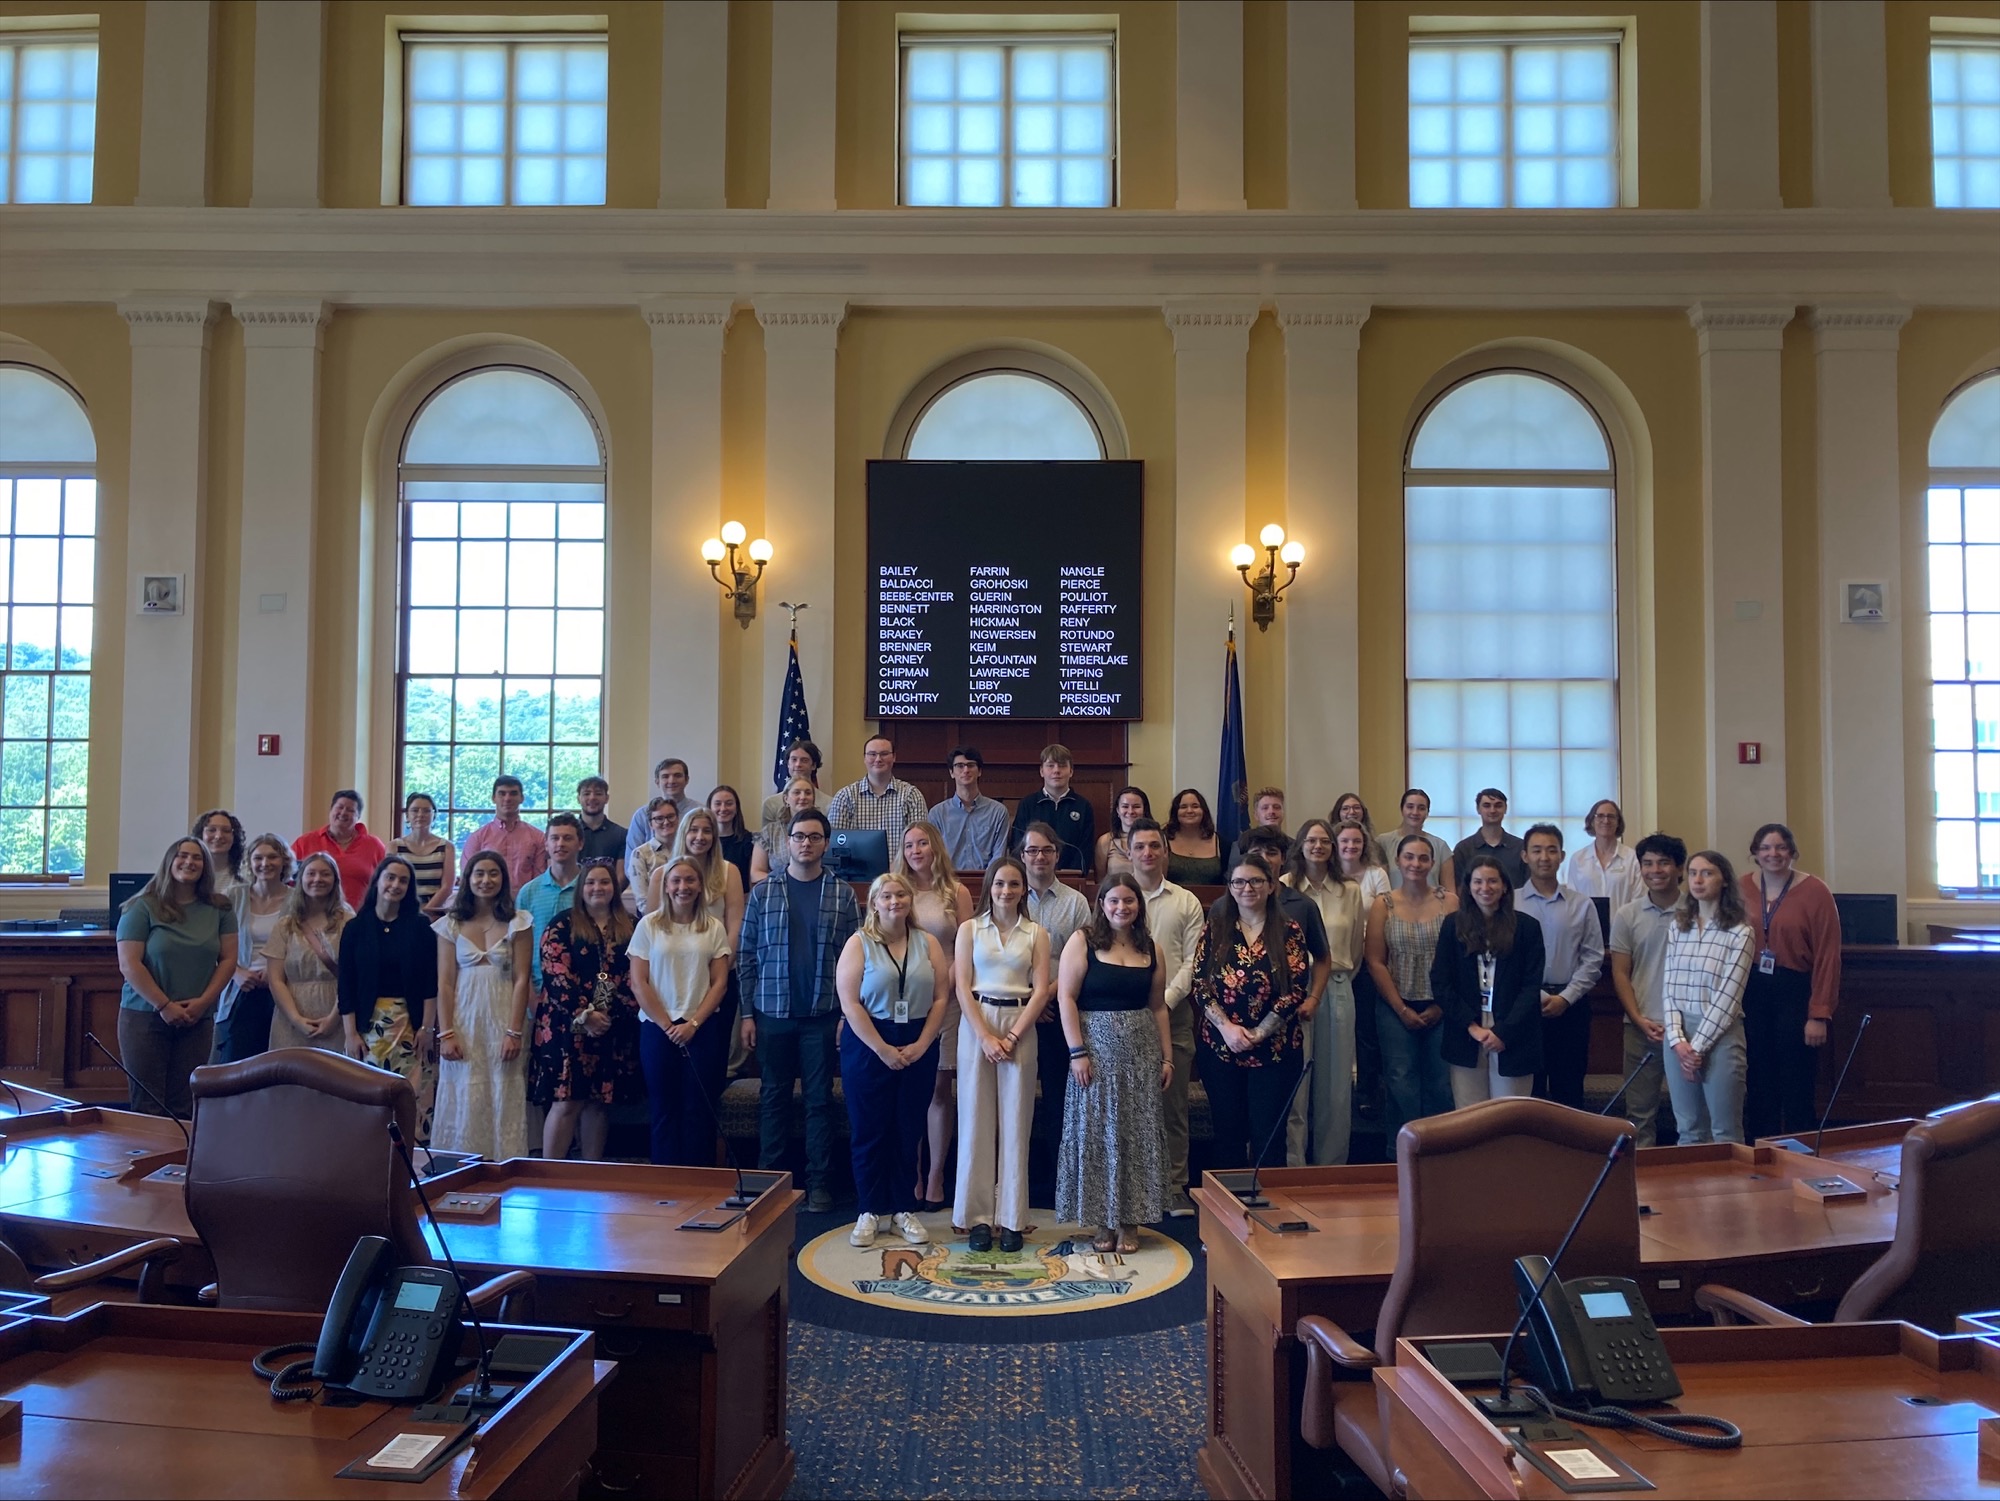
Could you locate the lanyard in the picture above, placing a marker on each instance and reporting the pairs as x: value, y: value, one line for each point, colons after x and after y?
x: 902, y: 968
x: 1486, y: 968
x: 1771, y: 907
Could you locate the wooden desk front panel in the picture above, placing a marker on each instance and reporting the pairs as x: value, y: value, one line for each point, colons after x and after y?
x: 54, y: 987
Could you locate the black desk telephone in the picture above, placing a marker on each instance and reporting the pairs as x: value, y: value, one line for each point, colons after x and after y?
x: 391, y: 1332
x: 1592, y: 1340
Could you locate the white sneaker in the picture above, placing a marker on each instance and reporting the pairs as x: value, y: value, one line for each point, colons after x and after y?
x: 913, y: 1229
x: 863, y: 1233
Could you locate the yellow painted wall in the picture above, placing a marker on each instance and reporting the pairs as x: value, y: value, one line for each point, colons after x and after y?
x: 747, y: 153
x: 1666, y: 34
x: 1266, y: 97
x: 865, y: 149
x: 121, y: 54
x: 1799, y: 504
x: 1795, y: 125
x: 215, y: 754
x: 235, y: 103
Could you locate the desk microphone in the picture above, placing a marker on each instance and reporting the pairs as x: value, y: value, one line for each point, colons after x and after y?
x: 1859, y: 1033
x: 1254, y: 1198
x: 140, y: 1085
x: 1506, y: 1405
x: 742, y: 1198
x: 1651, y: 1054
x: 481, y: 1394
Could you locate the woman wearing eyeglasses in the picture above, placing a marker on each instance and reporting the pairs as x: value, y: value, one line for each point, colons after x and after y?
x: 1250, y: 973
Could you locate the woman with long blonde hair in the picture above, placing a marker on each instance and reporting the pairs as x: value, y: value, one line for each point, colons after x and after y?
x: 304, y: 959
x: 939, y: 902
x: 679, y: 964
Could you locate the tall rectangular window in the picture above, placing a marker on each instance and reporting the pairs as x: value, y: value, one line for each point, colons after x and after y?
x: 504, y: 120
x: 1496, y: 123
x: 48, y: 118
x: 1965, y: 122
x: 1007, y: 122
x: 1964, y: 526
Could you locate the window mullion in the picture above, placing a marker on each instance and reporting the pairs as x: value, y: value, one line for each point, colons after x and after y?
x: 1007, y: 127
x: 507, y: 130
x: 1507, y: 126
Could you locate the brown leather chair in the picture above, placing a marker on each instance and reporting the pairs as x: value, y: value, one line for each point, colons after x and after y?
x: 66, y: 1289
x: 1945, y: 1258
x: 1476, y: 1189
x: 291, y: 1165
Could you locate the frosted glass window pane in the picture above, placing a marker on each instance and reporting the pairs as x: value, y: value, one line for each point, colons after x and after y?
x: 38, y: 507
x: 1509, y: 420
x: 1522, y: 125
x: 1431, y: 769
x: 502, y: 417
x: 1537, y: 781
x: 509, y: 122
x: 979, y: 184
x: 1586, y: 777
x: 979, y: 130
x: 1965, y: 124
x: 48, y: 129
x: 1433, y: 714
x: 1035, y: 184
x: 486, y: 519
x: 1535, y: 716
x: 1086, y: 73
x: 41, y: 421
x: 1004, y: 415
x: 1433, y: 647
x: 1025, y: 125
x: 1035, y: 73
x: 1589, y: 715
x: 1483, y: 715
x: 1967, y: 435
x: 979, y: 72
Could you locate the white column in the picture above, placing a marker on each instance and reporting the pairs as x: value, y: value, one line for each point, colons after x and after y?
x: 284, y: 160
x: 1319, y: 105
x: 1322, y: 511
x: 801, y: 336
x: 1211, y: 349
x: 175, y: 103
x: 1743, y: 541
x: 693, y: 103
x: 164, y: 534
x: 1208, y: 107
x: 685, y: 623
x: 1860, y: 540
x: 1850, y: 95
x: 805, y: 43
x: 281, y: 358
x: 1739, y: 104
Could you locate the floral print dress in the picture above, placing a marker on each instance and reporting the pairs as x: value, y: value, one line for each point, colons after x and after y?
x: 566, y: 1062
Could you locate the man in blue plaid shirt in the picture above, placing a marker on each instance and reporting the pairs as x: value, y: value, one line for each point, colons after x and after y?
x: 794, y: 927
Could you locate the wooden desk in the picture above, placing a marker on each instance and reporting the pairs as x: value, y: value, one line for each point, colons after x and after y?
x: 696, y: 1320
x: 18, y: 1099
x: 1719, y: 1214
x: 1823, y: 1412
x: 123, y: 1400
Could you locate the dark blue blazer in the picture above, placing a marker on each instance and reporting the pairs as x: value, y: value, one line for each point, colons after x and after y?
x: 1517, y: 998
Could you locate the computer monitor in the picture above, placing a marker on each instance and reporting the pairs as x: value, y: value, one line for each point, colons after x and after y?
x: 1866, y: 916
x: 125, y: 885
x: 858, y: 854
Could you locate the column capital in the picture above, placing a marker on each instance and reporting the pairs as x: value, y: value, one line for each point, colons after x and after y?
x: 688, y: 321
x: 1740, y: 327
x: 1857, y: 326
x: 1211, y: 325
x: 1324, y: 320
x: 801, y: 322
x: 182, y: 322
x: 281, y: 322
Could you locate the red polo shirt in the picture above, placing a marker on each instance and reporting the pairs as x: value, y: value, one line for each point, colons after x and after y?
x: 357, y: 859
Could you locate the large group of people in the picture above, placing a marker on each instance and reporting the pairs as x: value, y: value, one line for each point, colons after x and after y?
x: 589, y: 964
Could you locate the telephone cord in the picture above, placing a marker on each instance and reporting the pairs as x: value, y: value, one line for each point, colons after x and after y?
x: 292, y: 1381
x: 1674, y: 1427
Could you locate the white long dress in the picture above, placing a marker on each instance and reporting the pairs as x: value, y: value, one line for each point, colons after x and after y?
x: 482, y: 1102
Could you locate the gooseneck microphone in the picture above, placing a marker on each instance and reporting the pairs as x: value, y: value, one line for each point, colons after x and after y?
x: 1651, y: 1054
x: 481, y: 1393
x: 1506, y: 1405
x: 140, y: 1085
x: 1859, y: 1033
x: 742, y: 1198
x: 1253, y: 1197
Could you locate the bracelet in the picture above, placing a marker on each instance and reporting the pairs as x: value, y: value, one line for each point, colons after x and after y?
x: 1079, y: 1052
x: 1013, y: 1039
x: 447, y: 1032
x: 513, y: 1034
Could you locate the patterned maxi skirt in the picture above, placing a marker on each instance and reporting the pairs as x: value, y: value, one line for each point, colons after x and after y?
x: 393, y: 1044
x: 1113, y: 1162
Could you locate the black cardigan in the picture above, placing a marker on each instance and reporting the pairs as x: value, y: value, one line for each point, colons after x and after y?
x: 409, y: 947
x: 1517, y: 998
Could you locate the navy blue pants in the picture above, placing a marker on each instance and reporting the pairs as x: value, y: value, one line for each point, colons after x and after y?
x: 796, y: 1050
x: 681, y: 1089
x: 885, y: 1117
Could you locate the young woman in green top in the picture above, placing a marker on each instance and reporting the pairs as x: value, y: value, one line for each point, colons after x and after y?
x: 176, y: 950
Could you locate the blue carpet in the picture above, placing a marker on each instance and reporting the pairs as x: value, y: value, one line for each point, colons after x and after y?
x: 882, y: 1417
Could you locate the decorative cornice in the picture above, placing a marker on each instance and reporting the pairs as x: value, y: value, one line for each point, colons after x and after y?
x: 170, y: 322
x: 801, y: 323
x: 281, y: 323
x: 1854, y: 326
x: 1740, y: 328
x: 688, y: 325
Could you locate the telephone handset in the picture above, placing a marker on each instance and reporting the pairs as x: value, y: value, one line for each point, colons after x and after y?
x: 391, y: 1332
x: 1592, y: 1340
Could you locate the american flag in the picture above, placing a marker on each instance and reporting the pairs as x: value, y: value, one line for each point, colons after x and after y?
x: 794, y: 724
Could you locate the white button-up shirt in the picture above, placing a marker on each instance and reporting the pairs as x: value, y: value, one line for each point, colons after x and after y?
x: 1619, y: 881
x: 1174, y: 918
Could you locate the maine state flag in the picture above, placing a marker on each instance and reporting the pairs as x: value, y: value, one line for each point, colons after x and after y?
x: 1232, y: 781
x: 793, y: 722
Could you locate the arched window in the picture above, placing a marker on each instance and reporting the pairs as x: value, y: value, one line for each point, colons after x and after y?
x: 48, y: 569
x: 1004, y: 414
x: 1964, y: 532
x: 502, y: 663
x: 1511, y: 566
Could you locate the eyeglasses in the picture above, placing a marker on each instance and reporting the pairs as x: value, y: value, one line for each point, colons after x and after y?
x: 808, y: 837
x: 1030, y: 851
x: 1253, y: 883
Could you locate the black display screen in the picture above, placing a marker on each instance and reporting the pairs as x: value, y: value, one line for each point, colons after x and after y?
x: 1004, y: 590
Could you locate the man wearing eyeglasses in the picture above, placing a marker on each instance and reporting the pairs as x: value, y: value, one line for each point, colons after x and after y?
x: 881, y: 799
x: 794, y: 927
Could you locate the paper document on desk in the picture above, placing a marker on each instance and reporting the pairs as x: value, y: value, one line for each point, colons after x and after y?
x: 406, y: 1451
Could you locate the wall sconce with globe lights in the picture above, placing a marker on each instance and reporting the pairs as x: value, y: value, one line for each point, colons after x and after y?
x: 741, y: 585
x: 1265, y: 590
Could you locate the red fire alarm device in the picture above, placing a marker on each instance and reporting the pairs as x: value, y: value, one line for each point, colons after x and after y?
x: 267, y: 745
x: 1748, y: 752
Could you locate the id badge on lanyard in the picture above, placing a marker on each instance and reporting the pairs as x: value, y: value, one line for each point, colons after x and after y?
x: 1487, y: 964
x: 1767, y: 960
x: 899, y: 1010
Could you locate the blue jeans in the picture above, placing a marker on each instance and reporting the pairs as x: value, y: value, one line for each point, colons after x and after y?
x: 886, y: 1108
x: 1415, y: 1079
x: 796, y: 1049
x: 1711, y: 1108
x: 681, y: 1089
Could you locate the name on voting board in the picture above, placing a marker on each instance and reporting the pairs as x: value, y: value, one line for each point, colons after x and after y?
x: 1004, y: 590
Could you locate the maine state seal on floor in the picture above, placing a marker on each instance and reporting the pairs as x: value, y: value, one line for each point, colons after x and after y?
x: 1055, y: 1271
